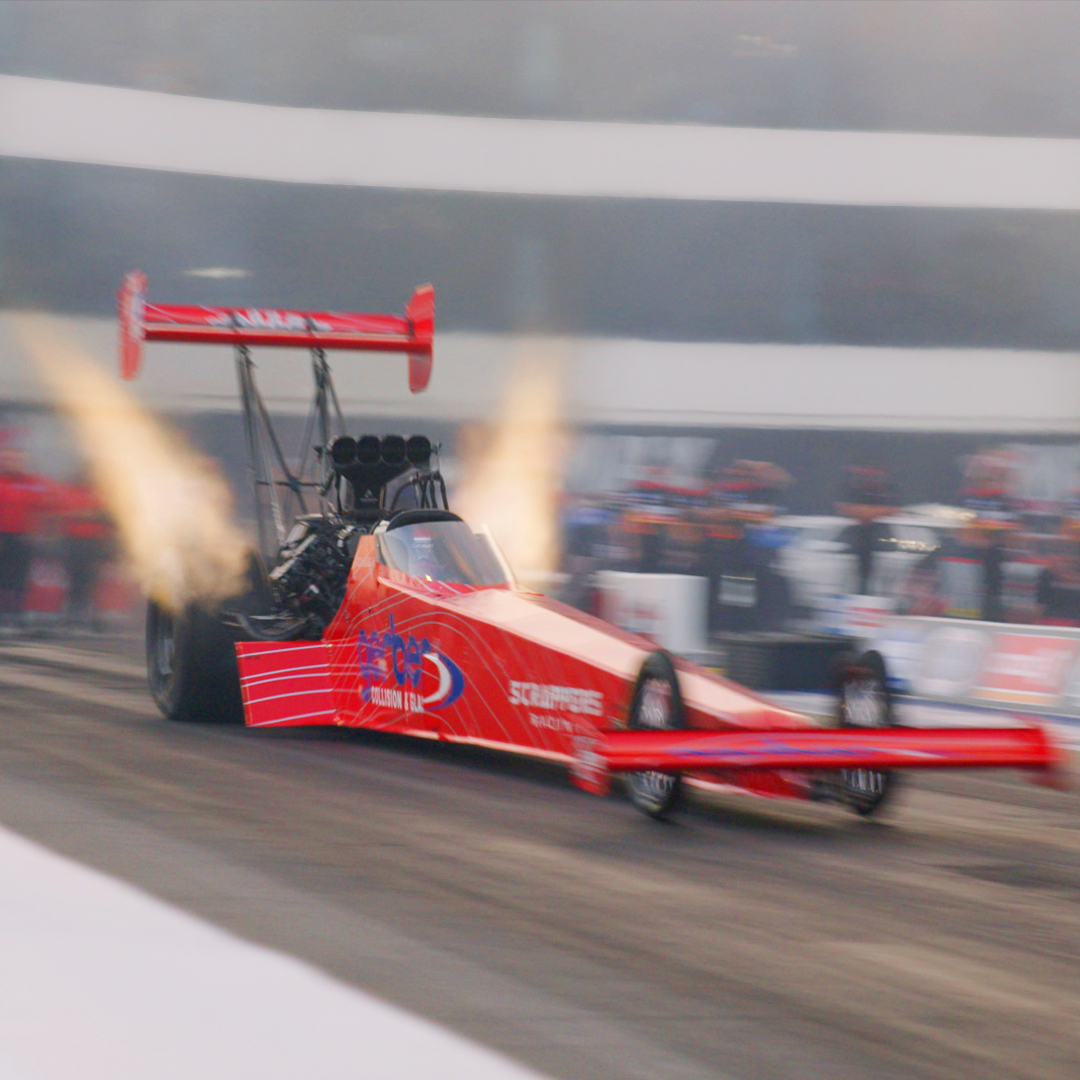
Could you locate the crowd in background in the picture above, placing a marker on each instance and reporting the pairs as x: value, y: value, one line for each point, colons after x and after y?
x: 990, y: 555
x: 55, y: 542
x: 993, y: 553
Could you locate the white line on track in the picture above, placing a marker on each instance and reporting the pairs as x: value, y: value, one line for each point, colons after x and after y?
x: 7, y: 1072
x: 103, y: 982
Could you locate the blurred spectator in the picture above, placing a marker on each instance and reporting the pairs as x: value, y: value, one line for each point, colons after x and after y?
x: 22, y: 507
x: 868, y: 498
x: 919, y: 593
x: 968, y: 570
x: 745, y: 590
x: 86, y: 536
x: 1057, y: 585
x: 586, y: 548
x: 648, y: 513
x: 986, y: 495
x: 1057, y: 593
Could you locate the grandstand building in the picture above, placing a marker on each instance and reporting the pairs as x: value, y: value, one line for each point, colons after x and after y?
x: 813, y: 233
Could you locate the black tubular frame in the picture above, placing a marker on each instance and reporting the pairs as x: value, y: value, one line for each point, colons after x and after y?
x: 279, y: 501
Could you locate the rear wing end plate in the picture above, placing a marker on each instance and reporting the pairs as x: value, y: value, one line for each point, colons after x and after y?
x: 411, y: 333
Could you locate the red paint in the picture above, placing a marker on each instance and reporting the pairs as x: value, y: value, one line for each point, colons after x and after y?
x: 500, y: 666
x: 544, y: 679
x: 881, y: 748
x: 275, y: 327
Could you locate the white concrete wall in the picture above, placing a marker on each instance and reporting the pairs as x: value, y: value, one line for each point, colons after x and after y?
x: 60, y: 121
x: 640, y: 382
x: 608, y: 381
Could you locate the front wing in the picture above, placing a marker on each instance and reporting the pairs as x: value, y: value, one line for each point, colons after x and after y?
x: 695, y: 751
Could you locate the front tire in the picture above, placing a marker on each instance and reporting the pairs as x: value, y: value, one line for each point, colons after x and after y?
x: 864, y: 700
x: 191, y: 665
x: 656, y: 705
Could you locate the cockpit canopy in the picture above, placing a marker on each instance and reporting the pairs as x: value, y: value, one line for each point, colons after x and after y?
x: 441, y: 548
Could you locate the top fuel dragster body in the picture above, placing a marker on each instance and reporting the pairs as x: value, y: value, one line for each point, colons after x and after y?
x: 382, y: 609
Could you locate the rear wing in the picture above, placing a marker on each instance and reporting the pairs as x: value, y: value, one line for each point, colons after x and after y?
x: 410, y: 333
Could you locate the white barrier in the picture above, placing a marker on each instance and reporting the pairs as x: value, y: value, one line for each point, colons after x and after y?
x: 853, y: 615
x: 668, y: 608
x: 983, y: 664
x: 130, y: 980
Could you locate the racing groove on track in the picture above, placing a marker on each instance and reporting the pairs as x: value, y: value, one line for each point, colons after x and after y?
x: 746, y: 941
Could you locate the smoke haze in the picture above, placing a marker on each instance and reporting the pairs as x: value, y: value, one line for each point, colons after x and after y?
x: 171, y: 506
x: 513, y: 469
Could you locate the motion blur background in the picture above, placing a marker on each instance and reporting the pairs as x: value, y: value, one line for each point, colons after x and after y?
x: 763, y: 313
x: 884, y: 275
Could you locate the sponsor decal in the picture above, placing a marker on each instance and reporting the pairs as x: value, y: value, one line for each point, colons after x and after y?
x: 588, y: 767
x: 392, y: 671
x: 547, y: 722
x: 866, y: 614
x: 1027, y: 668
x: 557, y: 698
x: 268, y: 319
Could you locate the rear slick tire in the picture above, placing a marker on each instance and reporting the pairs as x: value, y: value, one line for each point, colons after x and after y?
x: 864, y: 700
x: 191, y: 666
x: 656, y: 705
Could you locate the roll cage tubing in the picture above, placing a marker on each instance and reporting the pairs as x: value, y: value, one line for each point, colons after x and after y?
x: 317, y: 331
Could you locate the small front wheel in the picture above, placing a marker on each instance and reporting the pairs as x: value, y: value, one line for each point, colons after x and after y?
x: 864, y: 700
x: 656, y: 706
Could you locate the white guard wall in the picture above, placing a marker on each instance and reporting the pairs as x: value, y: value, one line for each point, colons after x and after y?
x: 62, y: 121
x: 606, y: 381
x: 711, y: 384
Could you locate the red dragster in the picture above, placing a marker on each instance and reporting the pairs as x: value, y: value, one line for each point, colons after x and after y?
x: 380, y: 608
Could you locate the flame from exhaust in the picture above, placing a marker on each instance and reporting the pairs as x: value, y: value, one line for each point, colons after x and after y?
x: 171, y: 506
x: 513, y: 468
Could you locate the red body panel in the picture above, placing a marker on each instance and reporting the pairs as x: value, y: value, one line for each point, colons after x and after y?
x: 285, y: 683
x: 493, y: 665
x: 501, y: 666
x: 509, y: 668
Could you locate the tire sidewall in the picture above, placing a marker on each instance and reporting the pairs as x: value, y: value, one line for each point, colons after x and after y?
x: 866, y: 791
x: 655, y: 794
x: 868, y: 665
x: 203, y: 685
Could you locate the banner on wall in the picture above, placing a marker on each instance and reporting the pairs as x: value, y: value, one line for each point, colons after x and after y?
x: 983, y: 664
x: 666, y: 608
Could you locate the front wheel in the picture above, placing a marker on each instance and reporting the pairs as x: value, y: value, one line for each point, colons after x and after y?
x: 656, y: 706
x: 191, y: 665
x: 864, y: 700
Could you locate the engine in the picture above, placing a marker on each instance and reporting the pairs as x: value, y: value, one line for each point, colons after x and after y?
x: 368, y: 480
x: 309, y: 580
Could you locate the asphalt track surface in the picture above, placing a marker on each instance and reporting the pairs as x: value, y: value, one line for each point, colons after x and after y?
x: 746, y: 940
